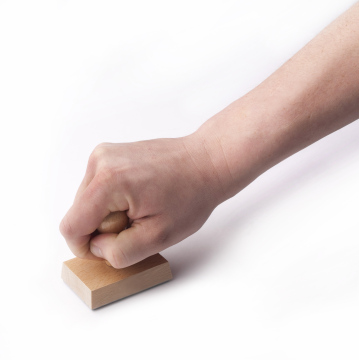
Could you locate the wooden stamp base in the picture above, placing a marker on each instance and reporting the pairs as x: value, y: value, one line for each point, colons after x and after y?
x: 98, y: 284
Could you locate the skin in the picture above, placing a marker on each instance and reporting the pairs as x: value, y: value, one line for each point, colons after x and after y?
x: 169, y: 187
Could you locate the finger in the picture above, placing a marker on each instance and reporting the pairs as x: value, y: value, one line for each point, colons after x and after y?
x: 130, y: 246
x: 86, y: 214
x: 92, y: 166
x: 89, y: 175
x: 84, y: 183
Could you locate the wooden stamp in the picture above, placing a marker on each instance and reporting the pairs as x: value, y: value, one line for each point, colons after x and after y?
x: 99, y: 284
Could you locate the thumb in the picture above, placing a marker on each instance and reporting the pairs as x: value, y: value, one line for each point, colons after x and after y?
x: 126, y: 248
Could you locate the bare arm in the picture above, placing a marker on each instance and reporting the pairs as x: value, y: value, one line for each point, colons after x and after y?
x: 169, y: 187
x: 312, y: 95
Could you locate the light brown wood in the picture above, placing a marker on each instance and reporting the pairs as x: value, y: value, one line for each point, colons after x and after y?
x: 114, y: 222
x: 98, y: 284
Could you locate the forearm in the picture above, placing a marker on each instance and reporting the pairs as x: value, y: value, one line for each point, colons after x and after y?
x: 312, y: 95
x: 169, y: 187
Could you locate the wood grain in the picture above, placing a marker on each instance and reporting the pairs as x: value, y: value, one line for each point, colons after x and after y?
x: 98, y: 284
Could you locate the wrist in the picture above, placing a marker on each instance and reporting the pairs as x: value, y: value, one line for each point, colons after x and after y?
x: 243, y: 141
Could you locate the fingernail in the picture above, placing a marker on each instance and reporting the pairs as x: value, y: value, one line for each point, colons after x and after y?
x: 96, y: 251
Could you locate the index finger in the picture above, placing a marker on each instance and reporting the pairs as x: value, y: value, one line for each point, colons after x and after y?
x: 84, y: 217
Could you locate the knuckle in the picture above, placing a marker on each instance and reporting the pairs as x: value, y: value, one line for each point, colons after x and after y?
x: 98, y: 153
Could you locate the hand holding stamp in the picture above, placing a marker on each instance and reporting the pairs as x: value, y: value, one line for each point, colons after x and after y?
x: 97, y: 283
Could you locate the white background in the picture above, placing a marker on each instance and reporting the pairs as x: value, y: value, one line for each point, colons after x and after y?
x: 273, y: 274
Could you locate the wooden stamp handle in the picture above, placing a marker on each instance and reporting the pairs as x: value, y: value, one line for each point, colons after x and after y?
x: 114, y: 222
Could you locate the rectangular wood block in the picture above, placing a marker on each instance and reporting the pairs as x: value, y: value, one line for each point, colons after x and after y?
x: 98, y: 284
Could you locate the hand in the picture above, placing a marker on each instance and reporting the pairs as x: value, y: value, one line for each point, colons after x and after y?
x: 167, y: 186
